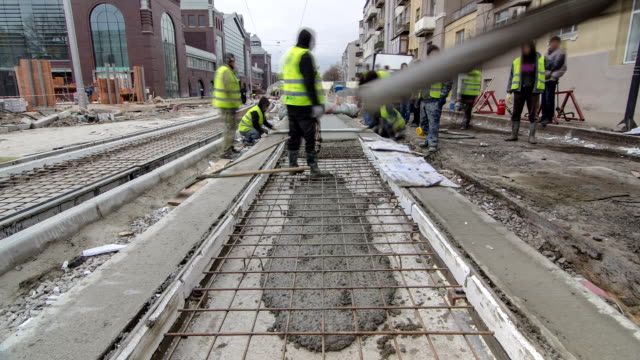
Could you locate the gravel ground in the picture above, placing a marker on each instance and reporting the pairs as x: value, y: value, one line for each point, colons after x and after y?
x: 588, y: 200
x: 38, y: 293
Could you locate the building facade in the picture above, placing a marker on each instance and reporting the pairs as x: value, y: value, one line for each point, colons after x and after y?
x: 237, y: 43
x: 261, y: 59
x: 350, y: 61
x: 426, y: 26
x: 600, y: 52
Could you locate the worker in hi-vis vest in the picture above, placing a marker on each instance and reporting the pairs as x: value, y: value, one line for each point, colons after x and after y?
x: 251, y: 125
x: 526, y: 83
x: 304, y: 97
x: 468, y: 91
x: 433, y: 100
x: 391, y: 123
x: 226, y: 97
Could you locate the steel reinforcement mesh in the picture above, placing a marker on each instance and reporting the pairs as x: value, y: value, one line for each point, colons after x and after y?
x: 327, y: 268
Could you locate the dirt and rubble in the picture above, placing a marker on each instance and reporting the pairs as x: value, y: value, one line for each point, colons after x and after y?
x: 578, y: 205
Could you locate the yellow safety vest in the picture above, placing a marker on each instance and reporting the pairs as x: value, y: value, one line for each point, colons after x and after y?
x: 516, y: 84
x: 295, y: 93
x: 221, y: 94
x: 436, y: 90
x: 246, y: 124
x: 471, y: 83
x: 395, y: 118
x: 382, y: 74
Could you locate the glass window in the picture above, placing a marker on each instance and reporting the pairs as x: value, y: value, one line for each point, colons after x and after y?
x: 502, y: 17
x: 170, y: 57
x: 568, y: 32
x: 634, y: 35
x: 192, y: 20
x: 109, y: 37
x: 202, y: 22
x: 219, y: 46
x: 460, y: 37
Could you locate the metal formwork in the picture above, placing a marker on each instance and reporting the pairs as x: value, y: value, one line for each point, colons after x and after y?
x: 327, y: 268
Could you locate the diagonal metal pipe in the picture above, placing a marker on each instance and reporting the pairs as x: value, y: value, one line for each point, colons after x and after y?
x: 484, y: 47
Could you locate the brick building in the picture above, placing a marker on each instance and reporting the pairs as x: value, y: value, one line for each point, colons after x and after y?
x: 262, y: 59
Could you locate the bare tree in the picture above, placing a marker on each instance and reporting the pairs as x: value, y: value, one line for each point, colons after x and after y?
x: 333, y: 74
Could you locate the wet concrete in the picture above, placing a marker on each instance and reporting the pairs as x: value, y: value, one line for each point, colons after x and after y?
x: 310, y: 223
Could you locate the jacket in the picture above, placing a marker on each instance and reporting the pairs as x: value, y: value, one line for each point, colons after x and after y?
x: 555, y: 64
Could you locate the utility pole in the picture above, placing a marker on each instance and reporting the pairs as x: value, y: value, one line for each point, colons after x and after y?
x: 75, y: 55
x: 633, y: 96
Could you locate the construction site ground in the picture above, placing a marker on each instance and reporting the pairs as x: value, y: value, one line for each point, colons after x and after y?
x: 576, y: 202
x: 127, y: 119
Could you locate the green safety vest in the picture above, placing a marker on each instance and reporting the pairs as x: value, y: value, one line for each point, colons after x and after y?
x: 220, y: 99
x: 395, y: 118
x: 471, y: 83
x: 382, y: 74
x: 517, y: 72
x: 246, y: 124
x: 436, y: 90
x: 295, y: 93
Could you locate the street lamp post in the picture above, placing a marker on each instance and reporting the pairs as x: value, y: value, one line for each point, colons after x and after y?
x: 75, y: 55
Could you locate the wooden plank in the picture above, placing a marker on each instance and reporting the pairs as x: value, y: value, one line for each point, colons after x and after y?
x: 186, y: 193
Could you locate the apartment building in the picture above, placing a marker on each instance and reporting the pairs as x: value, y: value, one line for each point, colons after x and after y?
x: 350, y: 61
x: 261, y: 59
x: 601, y: 51
x: 426, y: 26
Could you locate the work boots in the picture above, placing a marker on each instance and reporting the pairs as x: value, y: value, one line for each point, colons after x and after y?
x: 532, y: 132
x: 293, y: 162
x: 312, y: 161
x: 515, y: 127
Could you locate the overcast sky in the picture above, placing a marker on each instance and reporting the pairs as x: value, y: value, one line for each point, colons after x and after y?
x: 277, y: 23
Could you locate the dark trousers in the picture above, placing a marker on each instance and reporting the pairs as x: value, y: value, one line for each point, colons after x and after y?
x: 467, y: 102
x: 528, y: 97
x: 415, y: 106
x: 301, y: 125
x: 549, y: 100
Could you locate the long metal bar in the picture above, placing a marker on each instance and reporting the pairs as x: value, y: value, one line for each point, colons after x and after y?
x: 341, y: 333
x: 477, y: 50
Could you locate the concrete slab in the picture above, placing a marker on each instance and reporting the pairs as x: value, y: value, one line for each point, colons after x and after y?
x: 87, y: 320
x: 571, y: 317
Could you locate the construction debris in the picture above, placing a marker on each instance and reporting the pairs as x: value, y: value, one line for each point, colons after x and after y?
x: 102, y: 250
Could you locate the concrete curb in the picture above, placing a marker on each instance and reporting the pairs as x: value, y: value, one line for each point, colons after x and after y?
x: 17, y: 248
x: 490, y: 121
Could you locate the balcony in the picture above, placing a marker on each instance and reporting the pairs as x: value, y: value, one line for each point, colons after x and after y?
x: 370, y: 13
x: 402, y: 24
x: 425, y: 26
x: 378, y: 46
x: 379, y: 24
x: 359, y: 53
x: 402, y: 3
x: 379, y: 3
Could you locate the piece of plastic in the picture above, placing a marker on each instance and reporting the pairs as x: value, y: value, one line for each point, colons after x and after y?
x: 102, y: 250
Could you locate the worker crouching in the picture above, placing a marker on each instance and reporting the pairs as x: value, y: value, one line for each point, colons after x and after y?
x: 391, y: 124
x: 251, y: 125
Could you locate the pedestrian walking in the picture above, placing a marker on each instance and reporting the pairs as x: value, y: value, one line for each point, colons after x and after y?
x: 367, y: 77
x: 251, y: 125
x: 556, y: 67
x: 431, y: 108
x: 469, y: 90
x: 226, y: 97
x: 526, y: 83
x: 243, y: 93
x: 304, y: 98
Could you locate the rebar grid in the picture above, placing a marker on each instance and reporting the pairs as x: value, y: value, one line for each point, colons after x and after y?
x: 19, y: 192
x: 391, y: 274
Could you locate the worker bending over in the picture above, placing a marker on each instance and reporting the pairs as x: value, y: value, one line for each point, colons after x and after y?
x: 391, y: 124
x: 250, y: 126
x: 304, y: 98
x: 226, y: 97
x: 431, y: 108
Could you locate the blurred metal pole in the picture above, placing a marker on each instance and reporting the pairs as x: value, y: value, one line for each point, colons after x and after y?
x: 462, y: 58
x: 628, y: 122
x: 75, y: 55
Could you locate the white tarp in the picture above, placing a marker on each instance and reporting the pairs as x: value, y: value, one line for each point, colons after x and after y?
x: 405, y: 169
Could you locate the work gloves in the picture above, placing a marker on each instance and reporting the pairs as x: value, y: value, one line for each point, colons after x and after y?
x: 317, y: 111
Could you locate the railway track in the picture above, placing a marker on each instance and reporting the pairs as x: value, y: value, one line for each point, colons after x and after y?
x: 327, y: 269
x: 39, y: 192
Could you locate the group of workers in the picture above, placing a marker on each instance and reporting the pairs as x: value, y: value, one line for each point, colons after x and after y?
x: 532, y: 74
x: 302, y: 94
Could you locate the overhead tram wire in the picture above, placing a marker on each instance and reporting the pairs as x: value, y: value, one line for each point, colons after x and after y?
x: 255, y: 29
x: 304, y: 10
